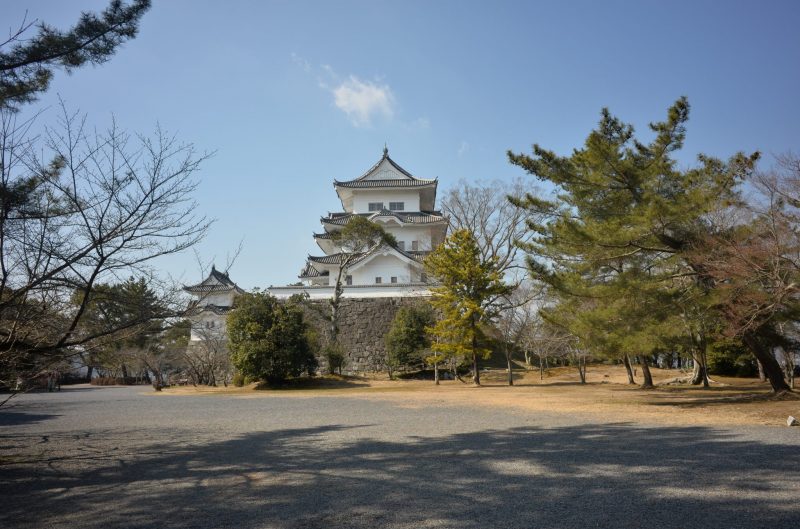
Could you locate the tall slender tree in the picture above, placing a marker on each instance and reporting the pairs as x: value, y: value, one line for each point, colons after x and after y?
x: 468, y: 289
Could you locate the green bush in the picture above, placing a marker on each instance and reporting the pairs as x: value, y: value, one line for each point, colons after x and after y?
x: 268, y: 339
x: 238, y: 380
x: 335, y: 356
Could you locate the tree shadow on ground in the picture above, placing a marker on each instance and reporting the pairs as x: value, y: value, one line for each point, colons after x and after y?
x: 17, y: 418
x: 618, y: 475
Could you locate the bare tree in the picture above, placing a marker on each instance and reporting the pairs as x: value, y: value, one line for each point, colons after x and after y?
x: 756, y: 267
x: 498, y: 226
x: 77, y: 209
x: 208, y: 359
x: 517, y: 322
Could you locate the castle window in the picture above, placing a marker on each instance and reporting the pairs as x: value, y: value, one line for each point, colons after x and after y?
x: 397, y: 206
x: 375, y: 206
x: 378, y: 280
x: 414, y: 245
x: 348, y: 280
x: 394, y: 279
x: 401, y: 245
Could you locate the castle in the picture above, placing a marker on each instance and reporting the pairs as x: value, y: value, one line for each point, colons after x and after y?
x: 386, y: 194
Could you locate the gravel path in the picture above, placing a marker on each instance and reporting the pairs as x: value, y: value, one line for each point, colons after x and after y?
x: 123, y: 457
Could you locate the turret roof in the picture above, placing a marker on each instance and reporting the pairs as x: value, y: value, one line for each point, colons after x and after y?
x: 215, y: 282
x: 421, y: 217
x: 363, y: 181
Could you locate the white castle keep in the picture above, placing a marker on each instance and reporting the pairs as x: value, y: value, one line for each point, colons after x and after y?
x: 404, y: 206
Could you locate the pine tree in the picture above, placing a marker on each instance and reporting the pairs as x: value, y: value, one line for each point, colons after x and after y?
x: 27, y: 67
x: 465, y: 295
x: 623, y: 225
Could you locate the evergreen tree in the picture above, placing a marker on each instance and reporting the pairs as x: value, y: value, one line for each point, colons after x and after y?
x: 622, y: 227
x: 407, y: 336
x: 268, y: 340
x: 466, y: 292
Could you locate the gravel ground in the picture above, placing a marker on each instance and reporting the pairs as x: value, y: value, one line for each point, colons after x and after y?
x: 123, y: 457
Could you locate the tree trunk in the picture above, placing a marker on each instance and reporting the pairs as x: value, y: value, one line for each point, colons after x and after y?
x: 772, y: 369
x: 436, y: 373
x: 627, y: 362
x: 476, y: 375
x: 788, y: 365
x: 510, y: 373
x: 761, y: 376
x: 89, y: 371
x: 700, y: 374
x: 648, y: 378
x: 541, y: 369
x: 581, y: 363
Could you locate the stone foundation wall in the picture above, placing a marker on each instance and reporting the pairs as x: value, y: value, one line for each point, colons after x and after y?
x: 363, y: 324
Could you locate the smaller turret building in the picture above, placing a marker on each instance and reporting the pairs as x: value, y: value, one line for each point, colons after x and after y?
x: 213, y: 300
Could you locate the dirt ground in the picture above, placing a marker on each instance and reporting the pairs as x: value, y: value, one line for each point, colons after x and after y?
x: 606, y: 396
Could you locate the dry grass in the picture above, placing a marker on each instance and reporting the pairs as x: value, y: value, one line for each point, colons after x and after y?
x: 605, y: 396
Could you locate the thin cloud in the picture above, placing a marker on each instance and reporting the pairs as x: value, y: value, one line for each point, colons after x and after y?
x: 301, y: 62
x: 362, y: 101
x: 463, y: 148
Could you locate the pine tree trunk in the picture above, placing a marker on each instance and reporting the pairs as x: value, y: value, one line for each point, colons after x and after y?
x: 700, y: 374
x: 510, y: 373
x: 436, y: 373
x: 627, y: 362
x: 581, y: 370
x: 89, y: 371
x: 761, y: 376
x: 648, y: 378
x: 771, y: 367
x: 476, y: 375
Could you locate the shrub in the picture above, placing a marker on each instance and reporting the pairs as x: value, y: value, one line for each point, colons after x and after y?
x: 334, y: 354
x: 268, y: 339
x: 238, y: 380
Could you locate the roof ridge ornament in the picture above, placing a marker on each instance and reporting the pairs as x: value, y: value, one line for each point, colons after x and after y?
x: 385, y: 150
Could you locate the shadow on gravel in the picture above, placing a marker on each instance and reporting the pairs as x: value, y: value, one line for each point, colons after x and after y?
x: 617, y: 475
x: 17, y: 418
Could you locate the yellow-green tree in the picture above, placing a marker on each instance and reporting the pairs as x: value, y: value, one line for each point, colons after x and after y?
x: 468, y: 289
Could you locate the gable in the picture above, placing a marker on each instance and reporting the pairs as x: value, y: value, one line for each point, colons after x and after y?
x: 385, y: 170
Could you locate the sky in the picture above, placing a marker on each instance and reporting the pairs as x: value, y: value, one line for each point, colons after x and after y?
x: 290, y: 95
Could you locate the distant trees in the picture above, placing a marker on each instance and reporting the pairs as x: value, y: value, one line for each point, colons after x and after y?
x: 268, y: 340
x: 466, y: 289
x: 407, y: 338
x: 27, y: 67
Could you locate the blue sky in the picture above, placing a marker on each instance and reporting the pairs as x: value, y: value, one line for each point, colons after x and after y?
x: 291, y: 95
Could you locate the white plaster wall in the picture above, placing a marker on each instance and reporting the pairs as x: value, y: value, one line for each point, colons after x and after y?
x: 363, y: 197
x: 199, y: 326
x: 221, y: 299
x: 407, y: 234
x: 384, y: 266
